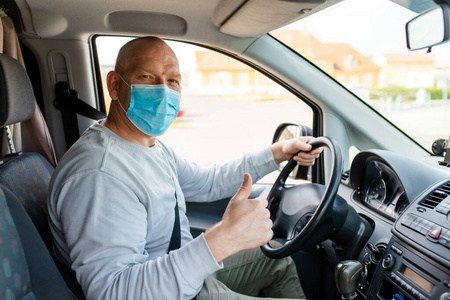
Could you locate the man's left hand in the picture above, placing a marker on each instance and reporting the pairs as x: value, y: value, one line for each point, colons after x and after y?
x: 284, y: 150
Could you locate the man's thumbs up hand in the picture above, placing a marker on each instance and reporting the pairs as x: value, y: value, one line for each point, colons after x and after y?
x: 245, y: 224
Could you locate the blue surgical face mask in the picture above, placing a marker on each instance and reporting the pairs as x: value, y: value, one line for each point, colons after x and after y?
x: 152, y: 107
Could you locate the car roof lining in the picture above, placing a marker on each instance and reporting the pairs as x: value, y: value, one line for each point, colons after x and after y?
x: 192, y: 20
x: 178, y: 18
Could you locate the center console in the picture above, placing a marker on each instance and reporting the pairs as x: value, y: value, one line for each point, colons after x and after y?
x: 404, y: 273
x: 416, y: 263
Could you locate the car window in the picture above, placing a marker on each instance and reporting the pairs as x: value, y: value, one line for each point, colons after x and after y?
x: 227, y: 107
x: 366, y: 51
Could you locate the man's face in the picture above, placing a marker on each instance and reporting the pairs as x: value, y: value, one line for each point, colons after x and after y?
x: 150, y: 63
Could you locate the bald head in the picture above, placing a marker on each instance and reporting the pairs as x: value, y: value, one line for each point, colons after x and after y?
x: 133, y: 53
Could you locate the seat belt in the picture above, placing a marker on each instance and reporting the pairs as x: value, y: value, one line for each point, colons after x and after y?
x: 68, y: 102
x: 175, y: 240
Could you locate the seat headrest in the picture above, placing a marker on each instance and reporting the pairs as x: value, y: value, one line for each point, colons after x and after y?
x: 17, y: 102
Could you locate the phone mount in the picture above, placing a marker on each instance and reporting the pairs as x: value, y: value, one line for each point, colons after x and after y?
x: 441, y: 147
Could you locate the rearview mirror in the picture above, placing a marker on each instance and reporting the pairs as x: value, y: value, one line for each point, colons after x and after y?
x: 429, y: 29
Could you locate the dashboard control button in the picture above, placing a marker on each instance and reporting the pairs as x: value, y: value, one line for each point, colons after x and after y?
x: 425, y: 230
x: 421, y: 209
x: 416, y: 225
x: 388, y: 262
x: 403, y: 283
x: 407, y: 220
x: 445, y: 296
x: 396, y: 250
x: 444, y: 238
x: 443, y: 209
x: 435, y: 233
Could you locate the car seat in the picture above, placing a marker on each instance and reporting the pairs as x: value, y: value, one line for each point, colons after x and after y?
x: 28, y: 270
x: 27, y: 175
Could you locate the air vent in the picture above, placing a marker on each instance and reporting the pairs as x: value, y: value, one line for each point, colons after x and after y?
x: 436, y: 197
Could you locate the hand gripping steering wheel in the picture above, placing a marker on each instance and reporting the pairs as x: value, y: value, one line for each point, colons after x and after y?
x: 303, y: 214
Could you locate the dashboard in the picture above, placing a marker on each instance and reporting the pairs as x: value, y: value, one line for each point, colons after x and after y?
x: 412, y: 199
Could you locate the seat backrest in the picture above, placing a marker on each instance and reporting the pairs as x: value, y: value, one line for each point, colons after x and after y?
x: 28, y: 270
x: 27, y: 175
x: 32, y: 135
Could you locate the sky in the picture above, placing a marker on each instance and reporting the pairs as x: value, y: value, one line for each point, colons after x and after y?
x: 354, y: 22
x: 355, y: 25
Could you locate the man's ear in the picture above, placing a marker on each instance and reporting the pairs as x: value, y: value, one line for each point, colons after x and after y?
x: 112, y: 81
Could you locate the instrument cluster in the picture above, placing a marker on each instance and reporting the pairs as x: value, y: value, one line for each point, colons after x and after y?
x: 382, y: 190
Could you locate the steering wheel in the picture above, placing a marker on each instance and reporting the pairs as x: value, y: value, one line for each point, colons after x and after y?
x: 303, y: 214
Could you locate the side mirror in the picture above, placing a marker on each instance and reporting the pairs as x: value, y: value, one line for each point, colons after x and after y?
x: 287, y: 131
x: 429, y: 29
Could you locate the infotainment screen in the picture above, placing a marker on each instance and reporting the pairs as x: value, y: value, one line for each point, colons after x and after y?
x: 417, y: 279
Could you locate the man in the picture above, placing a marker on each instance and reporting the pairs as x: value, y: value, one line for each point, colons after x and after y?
x: 112, y: 198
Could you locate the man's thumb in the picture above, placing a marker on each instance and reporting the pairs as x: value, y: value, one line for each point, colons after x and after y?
x: 246, y: 188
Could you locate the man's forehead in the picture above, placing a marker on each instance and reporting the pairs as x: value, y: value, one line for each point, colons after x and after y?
x: 151, y: 65
x: 151, y: 51
x: 148, y: 62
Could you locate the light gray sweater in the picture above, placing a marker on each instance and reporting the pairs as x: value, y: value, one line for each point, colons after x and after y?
x: 111, y: 211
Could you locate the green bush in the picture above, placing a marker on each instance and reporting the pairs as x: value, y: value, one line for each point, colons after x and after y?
x: 436, y: 93
x: 407, y: 93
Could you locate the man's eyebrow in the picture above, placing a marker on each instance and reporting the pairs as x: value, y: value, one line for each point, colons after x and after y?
x: 175, y: 74
x: 140, y: 68
x: 149, y: 70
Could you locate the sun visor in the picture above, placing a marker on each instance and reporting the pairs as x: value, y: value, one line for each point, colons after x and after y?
x: 252, y: 18
x: 141, y: 21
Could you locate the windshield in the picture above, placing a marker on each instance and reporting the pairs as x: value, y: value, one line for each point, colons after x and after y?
x: 362, y: 45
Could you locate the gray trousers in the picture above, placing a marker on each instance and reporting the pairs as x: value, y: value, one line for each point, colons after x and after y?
x: 249, y: 275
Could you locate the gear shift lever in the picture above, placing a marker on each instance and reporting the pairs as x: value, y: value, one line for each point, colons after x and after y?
x: 346, y: 274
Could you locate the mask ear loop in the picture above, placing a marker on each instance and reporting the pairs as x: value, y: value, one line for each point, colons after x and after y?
x: 124, y: 80
x: 121, y: 106
x: 118, y: 100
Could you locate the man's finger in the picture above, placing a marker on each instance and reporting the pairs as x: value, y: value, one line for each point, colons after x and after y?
x: 317, y: 150
x: 301, y: 145
x: 245, y: 189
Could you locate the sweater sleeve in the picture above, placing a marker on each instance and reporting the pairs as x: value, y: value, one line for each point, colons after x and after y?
x: 222, y: 180
x: 105, y: 233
